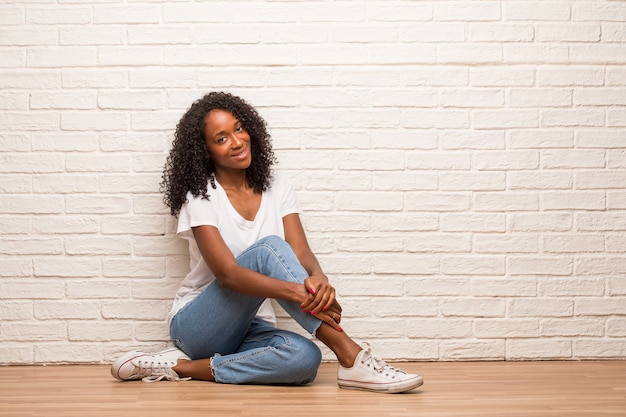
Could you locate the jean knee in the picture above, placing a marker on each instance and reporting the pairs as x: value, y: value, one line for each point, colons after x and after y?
x: 274, y: 241
x: 305, y: 361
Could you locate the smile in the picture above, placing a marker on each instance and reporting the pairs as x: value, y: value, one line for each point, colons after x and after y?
x: 241, y: 155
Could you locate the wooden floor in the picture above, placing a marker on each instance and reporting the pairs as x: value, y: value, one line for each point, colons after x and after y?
x: 568, y: 389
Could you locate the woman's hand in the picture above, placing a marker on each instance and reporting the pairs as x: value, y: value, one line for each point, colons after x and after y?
x: 321, y: 294
x: 332, y: 317
x: 321, y: 301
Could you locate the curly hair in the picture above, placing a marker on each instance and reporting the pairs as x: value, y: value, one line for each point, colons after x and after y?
x: 188, y: 169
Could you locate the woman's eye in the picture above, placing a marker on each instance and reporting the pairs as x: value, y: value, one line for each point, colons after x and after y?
x: 221, y: 140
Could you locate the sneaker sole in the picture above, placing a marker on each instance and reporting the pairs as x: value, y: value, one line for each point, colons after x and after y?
x: 388, y: 388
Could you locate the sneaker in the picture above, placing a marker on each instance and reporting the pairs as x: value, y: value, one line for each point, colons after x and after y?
x: 148, y: 367
x: 371, y: 373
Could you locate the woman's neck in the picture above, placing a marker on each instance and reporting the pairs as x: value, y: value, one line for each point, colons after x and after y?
x: 232, y: 181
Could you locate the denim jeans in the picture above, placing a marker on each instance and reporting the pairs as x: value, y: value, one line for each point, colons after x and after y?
x: 221, y: 323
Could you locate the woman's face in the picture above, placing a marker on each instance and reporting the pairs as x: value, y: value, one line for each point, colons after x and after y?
x: 228, y: 143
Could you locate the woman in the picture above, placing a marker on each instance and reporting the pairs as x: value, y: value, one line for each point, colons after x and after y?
x: 247, y: 246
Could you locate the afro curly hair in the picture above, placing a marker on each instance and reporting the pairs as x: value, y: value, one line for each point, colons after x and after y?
x: 188, y: 168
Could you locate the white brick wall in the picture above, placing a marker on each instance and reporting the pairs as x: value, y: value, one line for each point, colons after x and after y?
x: 461, y: 165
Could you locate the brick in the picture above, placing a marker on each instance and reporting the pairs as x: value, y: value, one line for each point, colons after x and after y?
x: 392, y: 222
x: 534, y: 265
x: 488, y: 243
x: 364, y: 286
x: 135, y: 310
x: 571, y: 287
x: 62, y: 310
x: 93, y: 289
x: 66, y: 352
x: 11, y: 15
x: 438, y: 243
x: 29, y: 289
x: 405, y: 181
x: 535, y: 52
x: 607, y: 138
x: 552, y: 159
x: 74, y: 101
x: 509, y: 75
x: 438, y: 161
x: 59, y: 57
x: 540, y: 180
x: 616, y: 285
x: 10, y: 184
x: 433, y: 32
x: 439, y: 329
x: 541, y: 307
x: 496, y: 201
x: 377, y: 243
x: 536, y: 10
x: 12, y: 58
x: 473, y: 307
x: 564, y: 76
x: 437, y: 286
x: 509, y: 328
x: 437, y: 201
x: 545, y: 97
x: 363, y: 160
x: 573, y: 243
x: 574, y: 200
x: 540, y: 139
x: 34, y: 246
x: 16, y: 310
x: 589, y: 180
x: 47, y: 15
x: 472, y: 350
x: 405, y: 307
x: 58, y: 266
x: 467, y: 11
x: 32, y: 204
x: 32, y: 331
x: 572, y: 327
x: 428, y: 119
x: 371, y: 201
x: 589, y: 349
x: 504, y: 119
x: 505, y: 160
x: 405, y: 264
x: 472, y: 265
x: 538, y: 348
x: 483, y: 139
x: 99, y: 331
x: 472, y: 222
x: 503, y: 287
x: 401, y: 12
x: 600, y: 306
x: 16, y: 353
x: 499, y: 32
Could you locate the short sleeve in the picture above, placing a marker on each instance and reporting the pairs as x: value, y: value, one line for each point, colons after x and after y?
x: 197, y: 211
x: 288, y: 198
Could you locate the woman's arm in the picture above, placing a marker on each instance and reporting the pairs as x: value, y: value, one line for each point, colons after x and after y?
x: 230, y: 275
x: 322, y: 293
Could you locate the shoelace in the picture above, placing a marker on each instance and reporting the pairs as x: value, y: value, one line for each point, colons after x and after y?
x: 380, y: 365
x: 153, y: 372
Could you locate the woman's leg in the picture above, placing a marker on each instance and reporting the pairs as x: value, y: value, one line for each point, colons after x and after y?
x: 218, y: 324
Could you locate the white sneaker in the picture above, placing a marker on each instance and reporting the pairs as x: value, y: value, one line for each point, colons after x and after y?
x: 371, y: 373
x: 148, y: 367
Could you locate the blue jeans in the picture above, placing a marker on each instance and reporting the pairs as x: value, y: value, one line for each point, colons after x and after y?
x: 221, y: 323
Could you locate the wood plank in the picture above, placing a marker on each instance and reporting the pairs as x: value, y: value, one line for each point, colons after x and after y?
x: 569, y: 389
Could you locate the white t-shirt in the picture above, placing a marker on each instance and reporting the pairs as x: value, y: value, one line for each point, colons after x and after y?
x: 277, y: 201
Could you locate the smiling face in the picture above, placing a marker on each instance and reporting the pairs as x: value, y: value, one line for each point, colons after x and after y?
x: 227, y: 141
